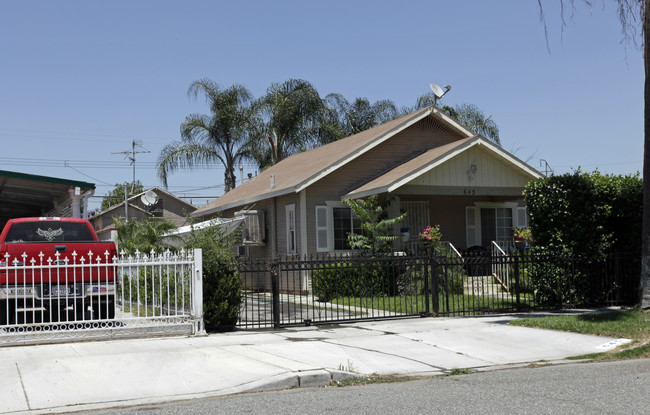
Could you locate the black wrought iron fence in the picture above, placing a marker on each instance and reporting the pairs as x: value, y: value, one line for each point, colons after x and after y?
x: 292, y: 290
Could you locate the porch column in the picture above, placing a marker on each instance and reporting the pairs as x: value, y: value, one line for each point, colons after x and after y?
x: 75, y: 197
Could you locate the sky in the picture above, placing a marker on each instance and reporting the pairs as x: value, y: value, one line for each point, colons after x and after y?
x: 81, y: 80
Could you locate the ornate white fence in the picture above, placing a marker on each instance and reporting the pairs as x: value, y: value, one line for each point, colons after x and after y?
x: 126, y: 296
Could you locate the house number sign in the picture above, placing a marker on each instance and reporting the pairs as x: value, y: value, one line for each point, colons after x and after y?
x: 469, y: 191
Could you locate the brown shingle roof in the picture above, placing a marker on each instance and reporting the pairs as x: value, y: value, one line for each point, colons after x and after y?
x: 300, y: 170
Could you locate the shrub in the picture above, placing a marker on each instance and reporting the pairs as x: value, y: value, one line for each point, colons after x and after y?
x: 221, y: 284
x: 450, y: 277
x: 156, y: 287
x: 353, y: 279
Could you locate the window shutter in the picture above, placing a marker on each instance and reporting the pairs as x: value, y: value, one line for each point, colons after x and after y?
x: 470, y: 226
x: 522, y: 218
x: 322, y: 242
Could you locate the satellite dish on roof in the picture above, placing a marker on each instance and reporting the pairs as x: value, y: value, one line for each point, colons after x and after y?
x: 438, y: 92
x: 149, y: 198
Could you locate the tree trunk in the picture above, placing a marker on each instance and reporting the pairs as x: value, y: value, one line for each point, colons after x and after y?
x: 645, y: 254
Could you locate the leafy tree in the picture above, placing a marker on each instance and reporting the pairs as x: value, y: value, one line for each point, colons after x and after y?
x: 350, y: 118
x: 473, y: 118
x: 143, y: 235
x: 469, y: 115
x: 116, y: 196
x: 290, y: 121
x: 222, y: 137
x: 634, y: 14
x: 376, y: 226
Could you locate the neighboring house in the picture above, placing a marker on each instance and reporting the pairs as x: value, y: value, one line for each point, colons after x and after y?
x: 436, y: 170
x: 154, y: 202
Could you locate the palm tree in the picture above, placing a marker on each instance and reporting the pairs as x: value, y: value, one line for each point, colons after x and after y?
x: 290, y: 113
x: 345, y: 118
x: 144, y: 235
x: 222, y: 137
x: 631, y: 14
x: 473, y: 118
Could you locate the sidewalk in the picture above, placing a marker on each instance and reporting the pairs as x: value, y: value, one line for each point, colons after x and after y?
x: 82, y: 376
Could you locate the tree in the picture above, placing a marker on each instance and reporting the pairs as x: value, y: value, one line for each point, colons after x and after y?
x: 290, y: 113
x: 116, y: 196
x: 633, y: 13
x: 474, y: 119
x: 222, y: 137
x: 144, y: 235
x: 376, y: 226
x: 350, y: 118
x: 469, y: 115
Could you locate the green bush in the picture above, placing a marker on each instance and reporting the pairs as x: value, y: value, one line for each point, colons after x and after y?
x: 221, y: 283
x: 587, y: 215
x: 451, y: 279
x: 346, y: 279
x: 156, y: 287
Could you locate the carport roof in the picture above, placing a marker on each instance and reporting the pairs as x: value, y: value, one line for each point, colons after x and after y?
x: 23, y: 194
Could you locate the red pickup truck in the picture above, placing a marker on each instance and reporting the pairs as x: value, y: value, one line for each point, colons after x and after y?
x: 54, y: 270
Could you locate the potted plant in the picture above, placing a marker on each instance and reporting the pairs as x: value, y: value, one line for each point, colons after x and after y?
x: 521, y: 236
x: 431, y: 235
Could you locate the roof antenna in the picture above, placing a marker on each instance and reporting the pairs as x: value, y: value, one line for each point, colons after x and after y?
x: 438, y: 92
x: 131, y: 156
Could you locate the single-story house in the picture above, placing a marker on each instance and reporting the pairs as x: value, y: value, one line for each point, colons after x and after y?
x: 154, y: 202
x: 434, y: 168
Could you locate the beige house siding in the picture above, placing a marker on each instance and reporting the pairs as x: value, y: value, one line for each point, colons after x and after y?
x: 490, y: 172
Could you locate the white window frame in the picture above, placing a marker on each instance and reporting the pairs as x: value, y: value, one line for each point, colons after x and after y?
x: 290, y: 217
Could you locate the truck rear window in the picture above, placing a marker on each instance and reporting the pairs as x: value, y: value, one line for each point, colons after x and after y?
x: 49, y: 232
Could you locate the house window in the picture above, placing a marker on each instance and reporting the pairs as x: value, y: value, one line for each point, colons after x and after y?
x: 254, y: 232
x: 417, y: 218
x: 345, y: 222
x: 290, y: 211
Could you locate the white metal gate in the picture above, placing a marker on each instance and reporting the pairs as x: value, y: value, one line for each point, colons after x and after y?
x: 128, y: 296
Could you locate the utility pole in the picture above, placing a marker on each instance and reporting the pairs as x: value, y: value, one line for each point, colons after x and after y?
x: 131, y: 156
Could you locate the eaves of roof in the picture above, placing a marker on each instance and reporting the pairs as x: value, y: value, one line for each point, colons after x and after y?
x: 410, y: 170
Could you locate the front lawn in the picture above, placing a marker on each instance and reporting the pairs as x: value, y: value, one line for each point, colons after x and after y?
x: 629, y: 324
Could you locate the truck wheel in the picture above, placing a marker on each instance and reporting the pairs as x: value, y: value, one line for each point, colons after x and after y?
x: 3, y: 313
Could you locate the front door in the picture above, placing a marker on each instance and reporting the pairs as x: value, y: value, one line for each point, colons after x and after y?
x: 496, y: 225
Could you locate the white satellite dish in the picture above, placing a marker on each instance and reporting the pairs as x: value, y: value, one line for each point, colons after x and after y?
x: 150, y: 198
x: 438, y: 92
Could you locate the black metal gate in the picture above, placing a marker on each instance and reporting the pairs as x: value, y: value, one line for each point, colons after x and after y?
x: 288, y: 291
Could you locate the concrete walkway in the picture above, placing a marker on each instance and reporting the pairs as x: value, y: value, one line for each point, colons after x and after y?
x: 80, y: 376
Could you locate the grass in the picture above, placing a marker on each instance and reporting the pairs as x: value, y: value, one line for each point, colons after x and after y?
x: 372, y: 379
x: 629, y: 324
x: 412, y: 304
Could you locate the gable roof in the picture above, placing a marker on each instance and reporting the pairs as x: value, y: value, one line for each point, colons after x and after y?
x: 429, y: 160
x: 134, y: 197
x: 299, y: 171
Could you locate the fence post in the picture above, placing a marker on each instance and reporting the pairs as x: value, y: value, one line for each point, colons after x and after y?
x: 197, y: 292
x: 434, y: 282
x: 518, y: 304
x: 427, y: 305
x: 275, y: 291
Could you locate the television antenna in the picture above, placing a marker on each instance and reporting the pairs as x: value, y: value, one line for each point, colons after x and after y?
x: 131, y: 156
x: 438, y: 92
